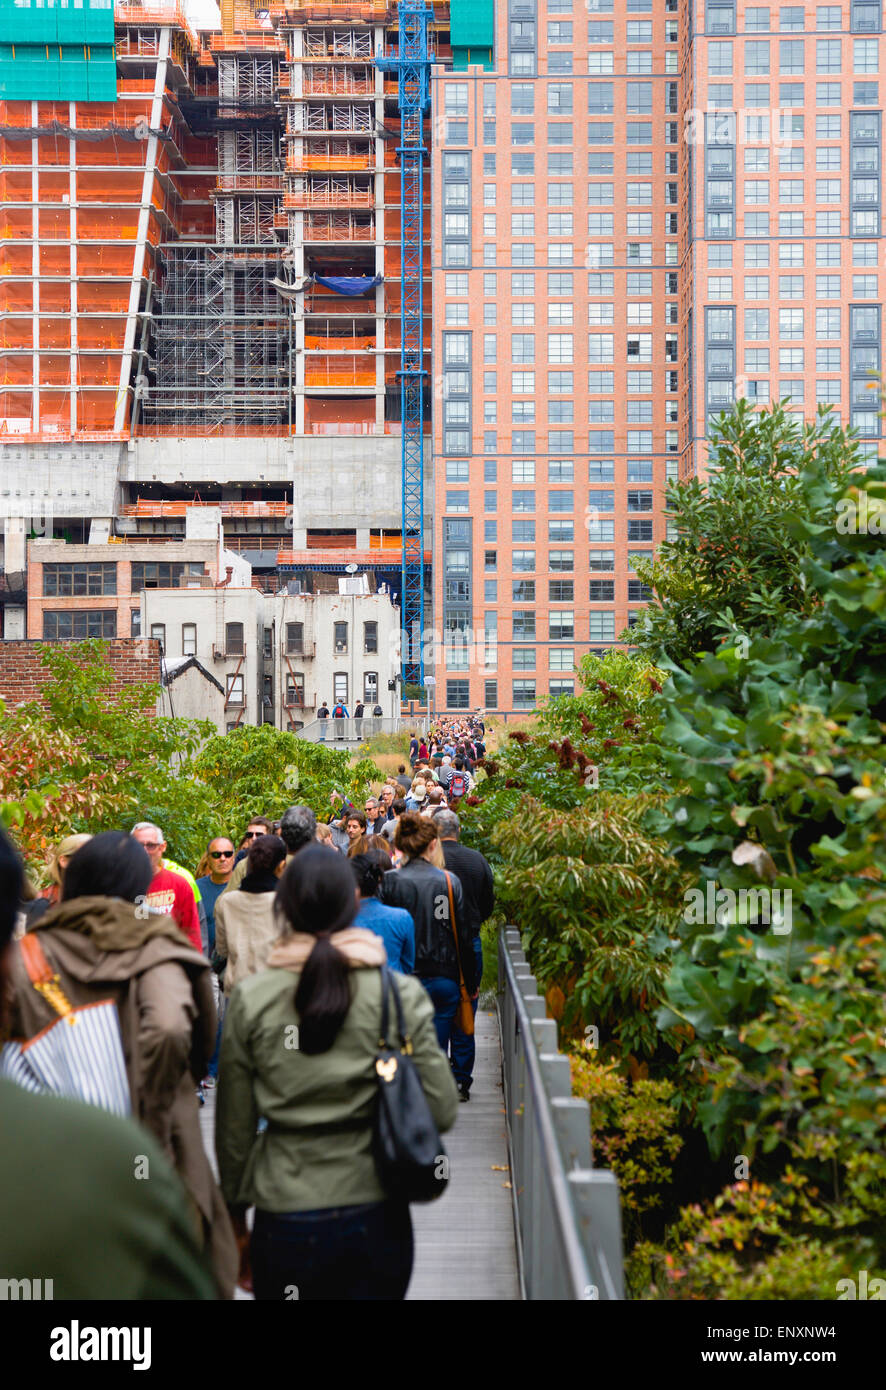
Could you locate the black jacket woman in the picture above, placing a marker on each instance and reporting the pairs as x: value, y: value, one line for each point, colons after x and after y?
x: 424, y: 890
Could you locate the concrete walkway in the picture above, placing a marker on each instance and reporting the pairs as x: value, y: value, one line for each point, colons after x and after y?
x: 464, y: 1242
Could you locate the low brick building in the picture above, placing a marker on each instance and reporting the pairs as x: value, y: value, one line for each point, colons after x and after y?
x: 133, y: 660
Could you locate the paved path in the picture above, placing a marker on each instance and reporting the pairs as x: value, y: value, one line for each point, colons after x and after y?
x: 464, y: 1242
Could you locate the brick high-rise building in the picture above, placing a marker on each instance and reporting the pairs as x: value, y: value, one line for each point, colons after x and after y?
x: 641, y: 211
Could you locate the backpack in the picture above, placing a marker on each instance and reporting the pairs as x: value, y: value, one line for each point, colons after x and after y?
x: 458, y: 786
x: 338, y: 712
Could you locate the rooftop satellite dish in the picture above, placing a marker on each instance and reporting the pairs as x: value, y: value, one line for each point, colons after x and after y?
x: 351, y: 569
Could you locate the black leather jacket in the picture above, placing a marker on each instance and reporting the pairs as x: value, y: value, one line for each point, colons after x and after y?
x: 421, y: 889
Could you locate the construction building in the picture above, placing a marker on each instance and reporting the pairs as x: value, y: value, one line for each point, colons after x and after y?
x: 253, y: 268
x: 200, y: 252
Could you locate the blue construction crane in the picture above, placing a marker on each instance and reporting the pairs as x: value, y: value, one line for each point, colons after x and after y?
x: 412, y: 64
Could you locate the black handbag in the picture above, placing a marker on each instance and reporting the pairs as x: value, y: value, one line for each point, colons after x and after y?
x: 411, y: 1161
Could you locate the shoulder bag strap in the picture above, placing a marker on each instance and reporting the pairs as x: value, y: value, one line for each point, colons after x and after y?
x: 42, y: 976
x: 385, y: 982
x: 461, y: 973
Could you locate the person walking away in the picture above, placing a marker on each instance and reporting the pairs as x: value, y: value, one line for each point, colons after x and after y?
x: 168, y: 893
x: 324, y: 1225
x: 246, y: 927
x: 57, y: 865
x: 422, y: 751
x: 323, y: 715
x: 393, y: 924
x: 339, y: 715
x: 474, y: 873
x: 459, y: 784
x: 445, y: 772
x: 359, y: 709
x: 413, y: 751
x: 402, y: 778
x: 425, y: 893
x: 101, y: 945
x: 220, y: 853
x: 123, y: 1239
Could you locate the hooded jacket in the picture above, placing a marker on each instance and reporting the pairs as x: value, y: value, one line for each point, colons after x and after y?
x: 102, y: 949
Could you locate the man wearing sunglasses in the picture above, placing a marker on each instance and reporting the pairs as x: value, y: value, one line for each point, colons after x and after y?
x: 221, y: 864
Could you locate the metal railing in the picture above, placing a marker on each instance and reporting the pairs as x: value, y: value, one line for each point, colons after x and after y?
x: 333, y: 731
x: 568, y: 1218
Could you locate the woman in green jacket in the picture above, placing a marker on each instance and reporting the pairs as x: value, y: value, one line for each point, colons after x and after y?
x: 299, y: 1049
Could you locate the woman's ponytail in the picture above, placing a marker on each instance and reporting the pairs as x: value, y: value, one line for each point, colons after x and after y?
x: 316, y: 896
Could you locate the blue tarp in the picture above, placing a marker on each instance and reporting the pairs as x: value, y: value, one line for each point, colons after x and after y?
x: 350, y: 285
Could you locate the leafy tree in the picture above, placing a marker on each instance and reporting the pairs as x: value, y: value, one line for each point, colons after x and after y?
x: 737, y: 560
x: 261, y: 770
x: 97, y: 757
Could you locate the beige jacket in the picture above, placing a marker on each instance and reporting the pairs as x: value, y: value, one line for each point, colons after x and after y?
x: 245, y: 931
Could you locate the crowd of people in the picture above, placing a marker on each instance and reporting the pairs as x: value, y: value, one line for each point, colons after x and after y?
x: 258, y: 975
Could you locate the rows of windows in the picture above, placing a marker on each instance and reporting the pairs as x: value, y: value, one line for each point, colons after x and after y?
x: 76, y: 624
x: 63, y: 580
x: 720, y: 18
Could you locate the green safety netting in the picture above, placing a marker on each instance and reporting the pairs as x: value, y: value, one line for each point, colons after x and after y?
x: 50, y: 53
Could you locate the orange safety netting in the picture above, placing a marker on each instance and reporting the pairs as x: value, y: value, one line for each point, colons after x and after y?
x: 55, y: 297
x: 54, y: 371
x: 111, y: 151
x: 299, y: 164
x: 55, y: 331
x: 110, y: 186
x: 52, y: 149
x: 16, y: 369
x: 347, y: 343
x: 104, y: 260
x: 98, y: 369
x: 15, y: 294
x: 14, y: 152
x: 15, y: 223
x: 15, y: 188
x: 101, y: 333
x: 15, y: 405
x: 96, y: 410
x: 17, y: 113
x: 16, y: 333
x: 54, y: 260
x: 332, y: 371
x: 107, y: 224
x: 54, y: 188
x: 94, y: 297
x: 54, y: 224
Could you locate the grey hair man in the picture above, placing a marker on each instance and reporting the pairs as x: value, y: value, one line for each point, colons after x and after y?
x: 297, y: 828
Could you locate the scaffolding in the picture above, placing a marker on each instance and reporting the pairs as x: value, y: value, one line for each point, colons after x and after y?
x: 220, y: 358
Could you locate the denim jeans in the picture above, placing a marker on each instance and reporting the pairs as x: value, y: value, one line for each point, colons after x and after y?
x: 461, y: 1045
x: 445, y: 995
x: 339, y: 1253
